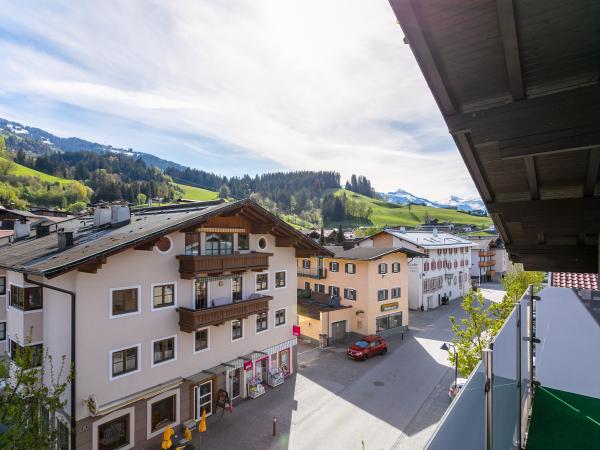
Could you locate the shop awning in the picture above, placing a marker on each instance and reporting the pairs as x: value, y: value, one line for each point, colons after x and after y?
x: 221, y: 368
x: 200, y: 376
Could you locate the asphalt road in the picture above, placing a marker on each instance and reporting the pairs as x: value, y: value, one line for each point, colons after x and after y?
x: 387, y: 402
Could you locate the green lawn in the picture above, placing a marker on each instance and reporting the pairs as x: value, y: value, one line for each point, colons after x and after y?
x: 19, y: 170
x: 391, y: 214
x: 194, y: 193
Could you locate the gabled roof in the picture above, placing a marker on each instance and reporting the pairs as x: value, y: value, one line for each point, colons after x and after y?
x: 427, y: 239
x: 42, y: 256
x: 370, y: 253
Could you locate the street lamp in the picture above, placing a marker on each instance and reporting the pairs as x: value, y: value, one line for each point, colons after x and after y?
x: 446, y: 347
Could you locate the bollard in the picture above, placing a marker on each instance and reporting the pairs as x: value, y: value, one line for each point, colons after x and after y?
x: 274, y: 426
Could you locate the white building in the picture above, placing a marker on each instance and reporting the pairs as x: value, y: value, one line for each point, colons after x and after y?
x: 442, y: 274
x: 489, y: 259
x: 159, y: 313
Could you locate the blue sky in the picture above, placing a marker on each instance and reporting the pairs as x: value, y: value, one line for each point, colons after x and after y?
x: 233, y: 86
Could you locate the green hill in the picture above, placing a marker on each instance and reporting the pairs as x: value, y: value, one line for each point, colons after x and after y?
x: 391, y: 214
x: 19, y: 170
x: 195, y: 193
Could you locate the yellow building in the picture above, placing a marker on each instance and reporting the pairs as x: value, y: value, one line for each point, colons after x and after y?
x: 361, y: 290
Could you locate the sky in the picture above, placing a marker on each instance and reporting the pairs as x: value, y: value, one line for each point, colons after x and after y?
x: 233, y: 87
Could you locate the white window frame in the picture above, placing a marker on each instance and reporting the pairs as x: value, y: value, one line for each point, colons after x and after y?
x: 275, y: 318
x: 330, y: 289
x: 275, y: 279
x: 256, y: 281
x: 304, y: 265
x: 258, y: 243
x: 149, y: 433
x: 399, y: 292
x: 399, y: 267
x: 112, y: 416
x: 5, y: 330
x: 123, y: 375
x: 122, y: 288
x: 170, y: 248
x: 161, y: 363
x: 382, y: 266
x: 256, y: 325
x: 162, y: 308
x: 243, y: 331
x: 346, y: 265
x: 332, y: 264
x: 348, y: 299
x: 208, y: 341
x: 387, y: 295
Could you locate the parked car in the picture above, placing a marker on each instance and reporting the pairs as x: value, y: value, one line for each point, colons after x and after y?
x: 368, y: 346
x: 455, y: 388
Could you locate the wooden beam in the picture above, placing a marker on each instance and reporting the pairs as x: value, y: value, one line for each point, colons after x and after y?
x: 262, y: 228
x: 591, y: 177
x: 413, y: 31
x: 510, y: 42
x: 285, y: 241
x: 147, y: 246
x: 92, y: 266
x: 469, y: 155
x: 532, y: 177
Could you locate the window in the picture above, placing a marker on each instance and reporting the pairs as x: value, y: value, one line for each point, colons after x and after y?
x: 262, y: 243
x: 2, y: 331
x: 192, y: 244
x: 382, y: 268
x: 219, y: 244
x: 431, y: 284
x: 262, y: 282
x: 396, y: 292
x: 334, y: 266
x: 262, y: 322
x: 382, y: 294
x: 307, y: 285
x: 2, y: 285
x: 124, y: 301
x: 320, y: 288
x: 164, y: 244
x: 125, y: 361
x: 243, y: 241
x: 306, y: 263
x: 426, y: 266
x: 280, y: 317
x: 334, y: 291
x: 114, y: 434
x: 32, y: 358
x: 396, y: 267
x: 236, y: 330
x: 163, y: 295
x: 350, y: 268
x: 280, y: 279
x: 163, y: 350
x: 236, y: 288
x: 201, y: 294
x: 63, y: 435
x: 349, y: 294
x: 201, y: 340
x: 26, y: 299
x: 162, y: 413
x: 388, y: 322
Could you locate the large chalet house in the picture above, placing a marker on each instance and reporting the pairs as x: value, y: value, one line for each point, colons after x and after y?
x: 159, y: 312
x: 442, y: 276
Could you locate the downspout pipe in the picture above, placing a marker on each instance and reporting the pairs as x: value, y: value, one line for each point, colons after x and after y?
x: 73, y: 396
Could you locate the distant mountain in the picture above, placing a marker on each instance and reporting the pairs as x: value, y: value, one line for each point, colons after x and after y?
x: 41, y: 142
x: 402, y: 197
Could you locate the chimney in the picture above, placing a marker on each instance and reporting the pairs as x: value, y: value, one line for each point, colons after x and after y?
x: 101, y: 216
x: 22, y: 229
x: 434, y: 232
x: 402, y: 229
x: 119, y: 215
x: 42, y: 230
x: 65, y: 239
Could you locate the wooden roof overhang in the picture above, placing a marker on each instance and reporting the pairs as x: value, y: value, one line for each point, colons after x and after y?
x: 517, y: 84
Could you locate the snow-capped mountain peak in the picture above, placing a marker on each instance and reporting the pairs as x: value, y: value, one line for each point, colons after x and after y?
x: 402, y: 197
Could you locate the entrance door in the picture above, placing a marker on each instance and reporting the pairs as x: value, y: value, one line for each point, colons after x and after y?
x: 236, y: 383
x: 203, y: 399
x: 338, y: 331
x: 261, y: 369
x: 284, y: 361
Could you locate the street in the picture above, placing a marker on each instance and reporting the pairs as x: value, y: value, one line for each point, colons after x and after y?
x: 387, y: 402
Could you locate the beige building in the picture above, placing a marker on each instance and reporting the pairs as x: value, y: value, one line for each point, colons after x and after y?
x: 489, y: 258
x: 160, y: 313
x: 361, y: 290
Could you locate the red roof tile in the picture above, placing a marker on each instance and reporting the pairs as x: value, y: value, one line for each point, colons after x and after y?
x: 575, y: 280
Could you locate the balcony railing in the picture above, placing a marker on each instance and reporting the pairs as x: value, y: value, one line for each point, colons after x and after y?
x: 318, y: 273
x: 483, y: 253
x: 489, y: 263
x: 192, y: 265
x: 192, y: 319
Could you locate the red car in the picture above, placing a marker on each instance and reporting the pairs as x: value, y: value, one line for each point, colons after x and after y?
x: 368, y: 346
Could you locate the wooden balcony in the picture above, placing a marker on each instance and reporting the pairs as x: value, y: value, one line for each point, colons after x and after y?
x: 191, y: 266
x: 192, y: 319
x: 483, y: 254
x: 317, y: 273
x: 487, y: 263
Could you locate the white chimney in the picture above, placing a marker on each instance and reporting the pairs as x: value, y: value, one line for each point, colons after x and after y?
x: 119, y: 215
x: 22, y: 229
x: 402, y: 229
x: 101, y: 216
x: 434, y: 232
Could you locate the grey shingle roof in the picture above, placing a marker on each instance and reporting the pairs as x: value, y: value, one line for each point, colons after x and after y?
x: 369, y: 253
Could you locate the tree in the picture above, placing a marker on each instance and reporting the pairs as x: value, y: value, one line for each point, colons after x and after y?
x: 27, y: 402
x: 224, y: 191
x: 6, y: 167
x: 471, y: 334
x: 141, y: 199
x: 322, y: 236
x: 339, y: 236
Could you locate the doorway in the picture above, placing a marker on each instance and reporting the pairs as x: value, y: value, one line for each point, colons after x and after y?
x: 284, y: 361
x: 338, y: 331
x: 235, y: 378
x: 261, y: 369
x: 203, y: 399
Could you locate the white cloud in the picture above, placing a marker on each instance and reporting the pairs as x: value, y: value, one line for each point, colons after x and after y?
x: 312, y: 84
